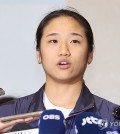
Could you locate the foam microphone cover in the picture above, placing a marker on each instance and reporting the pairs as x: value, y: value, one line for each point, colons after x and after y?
x: 90, y: 123
x: 52, y: 122
x: 21, y: 126
x: 112, y: 131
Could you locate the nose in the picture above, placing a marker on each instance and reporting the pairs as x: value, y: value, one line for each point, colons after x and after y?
x: 64, y: 50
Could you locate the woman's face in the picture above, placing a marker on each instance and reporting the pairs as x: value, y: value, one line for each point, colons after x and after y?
x: 64, y: 50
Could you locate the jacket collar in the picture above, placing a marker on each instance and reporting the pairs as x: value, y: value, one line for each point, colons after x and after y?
x: 37, y: 102
x: 85, y: 101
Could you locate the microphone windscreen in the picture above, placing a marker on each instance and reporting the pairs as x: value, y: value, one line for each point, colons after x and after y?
x: 21, y: 126
x: 90, y: 123
x: 112, y: 131
x: 52, y: 122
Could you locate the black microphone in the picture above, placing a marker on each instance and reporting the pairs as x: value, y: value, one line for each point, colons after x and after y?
x: 52, y: 122
x: 116, y: 113
x: 90, y: 123
x: 21, y: 126
x: 2, y: 92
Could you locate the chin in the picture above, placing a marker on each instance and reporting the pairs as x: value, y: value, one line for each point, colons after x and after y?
x: 65, y: 79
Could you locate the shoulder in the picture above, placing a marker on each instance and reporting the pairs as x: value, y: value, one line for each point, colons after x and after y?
x: 104, y: 107
x: 103, y: 102
x: 16, y: 106
x: 23, y: 103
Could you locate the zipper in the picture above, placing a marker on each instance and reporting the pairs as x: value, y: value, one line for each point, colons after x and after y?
x: 76, y: 113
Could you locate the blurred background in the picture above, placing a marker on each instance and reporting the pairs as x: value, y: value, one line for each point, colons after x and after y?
x: 20, y: 74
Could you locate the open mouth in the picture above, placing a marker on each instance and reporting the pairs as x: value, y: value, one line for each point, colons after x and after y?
x: 64, y: 65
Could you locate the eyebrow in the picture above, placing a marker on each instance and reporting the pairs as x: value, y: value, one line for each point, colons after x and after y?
x: 54, y: 34
x: 76, y: 34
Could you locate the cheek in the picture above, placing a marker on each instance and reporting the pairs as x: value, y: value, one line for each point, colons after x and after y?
x: 80, y: 61
x: 46, y: 51
x: 81, y: 55
x: 48, y: 56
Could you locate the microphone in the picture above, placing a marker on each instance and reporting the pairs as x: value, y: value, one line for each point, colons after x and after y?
x: 112, y: 131
x: 2, y: 92
x: 90, y: 123
x: 116, y: 113
x: 52, y: 122
x: 21, y: 126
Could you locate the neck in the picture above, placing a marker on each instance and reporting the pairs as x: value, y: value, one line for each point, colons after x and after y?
x: 63, y: 94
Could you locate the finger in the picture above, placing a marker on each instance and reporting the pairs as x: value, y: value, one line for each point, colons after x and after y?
x: 10, y: 123
x: 36, y: 118
x: 27, y: 120
x: 7, y: 129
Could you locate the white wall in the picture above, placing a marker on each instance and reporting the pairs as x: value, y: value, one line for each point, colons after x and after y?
x: 103, y: 75
x: 19, y: 72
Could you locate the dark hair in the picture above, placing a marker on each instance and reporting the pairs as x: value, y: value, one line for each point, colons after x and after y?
x: 70, y: 13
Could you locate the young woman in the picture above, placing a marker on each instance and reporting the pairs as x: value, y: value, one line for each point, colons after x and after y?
x: 64, y: 48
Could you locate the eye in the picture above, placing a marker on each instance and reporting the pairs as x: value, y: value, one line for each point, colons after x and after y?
x: 53, y: 41
x: 75, y: 41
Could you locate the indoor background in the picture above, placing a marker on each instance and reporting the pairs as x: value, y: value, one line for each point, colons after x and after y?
x: 20, y: 73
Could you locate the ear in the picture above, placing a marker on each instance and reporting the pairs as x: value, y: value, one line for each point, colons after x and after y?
x: 90, y: 57
x: 38, y: 56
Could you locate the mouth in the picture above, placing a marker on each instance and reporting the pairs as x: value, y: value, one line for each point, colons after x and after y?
x: 64, y: 64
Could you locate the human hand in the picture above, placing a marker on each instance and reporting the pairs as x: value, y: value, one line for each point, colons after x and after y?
x: 8, y: 125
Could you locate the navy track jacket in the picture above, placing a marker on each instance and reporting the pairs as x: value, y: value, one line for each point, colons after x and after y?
x: 87, y: 102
